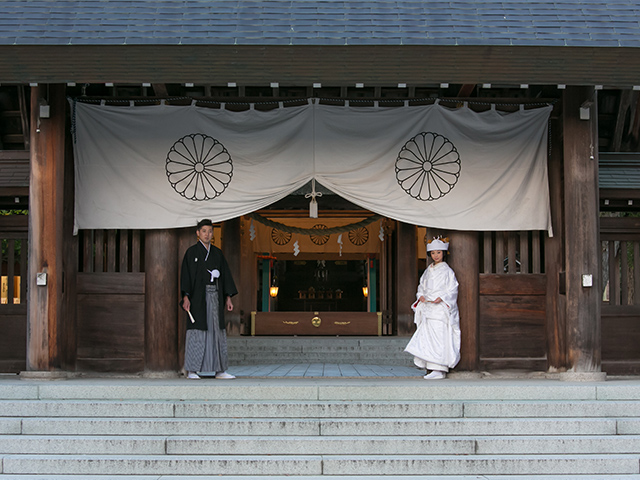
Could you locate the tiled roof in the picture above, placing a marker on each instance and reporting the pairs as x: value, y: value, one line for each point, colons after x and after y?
x: 14, y: 172
x: 594, y: 23
x: 619, y: 170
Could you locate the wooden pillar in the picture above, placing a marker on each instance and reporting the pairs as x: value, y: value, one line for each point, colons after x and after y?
x: 161, y: 298
x: 232, y: 250
x: 406, y: 277
x: 581, y: 230
x: 186, y: 238
x: 248, y: 282
x: 465, y: 262
x: 46, y: 330
x: 554, y: 258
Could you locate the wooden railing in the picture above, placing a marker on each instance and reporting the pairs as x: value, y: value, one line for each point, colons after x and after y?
x: 512, y: 252
x: 111, y: 251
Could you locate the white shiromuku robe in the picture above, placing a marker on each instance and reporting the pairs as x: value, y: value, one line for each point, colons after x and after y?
x: 436, y: 342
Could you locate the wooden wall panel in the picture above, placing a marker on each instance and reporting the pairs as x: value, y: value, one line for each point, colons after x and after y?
x: 513, y: 284
x: 110, y: 283
x: 620, y: 333
x: 111, y: 322
x: 512, y: 322
x: 512, y: 326
x: 13, y: 341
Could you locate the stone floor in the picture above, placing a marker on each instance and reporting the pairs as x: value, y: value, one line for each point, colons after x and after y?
x: 324, y: 370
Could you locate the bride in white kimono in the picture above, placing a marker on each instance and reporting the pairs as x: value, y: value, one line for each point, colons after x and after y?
x: 436, y: 343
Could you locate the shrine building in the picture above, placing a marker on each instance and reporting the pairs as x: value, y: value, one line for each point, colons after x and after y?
x: 328, y: 142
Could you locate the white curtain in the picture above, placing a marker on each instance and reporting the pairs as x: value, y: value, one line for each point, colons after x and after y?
x: 168, y: 166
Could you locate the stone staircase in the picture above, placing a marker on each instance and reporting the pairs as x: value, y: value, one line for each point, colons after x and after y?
x: 140, y: 428
x: 344, y: 350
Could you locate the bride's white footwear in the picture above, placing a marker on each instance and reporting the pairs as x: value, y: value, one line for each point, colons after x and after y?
x: 436, y: 375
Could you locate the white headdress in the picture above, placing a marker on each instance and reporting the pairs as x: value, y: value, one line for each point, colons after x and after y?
x: 438, y: 244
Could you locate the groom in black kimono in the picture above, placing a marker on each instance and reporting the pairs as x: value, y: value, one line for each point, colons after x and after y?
x: 207, y: 287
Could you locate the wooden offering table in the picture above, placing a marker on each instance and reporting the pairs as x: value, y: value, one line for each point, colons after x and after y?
x: 316, y: 323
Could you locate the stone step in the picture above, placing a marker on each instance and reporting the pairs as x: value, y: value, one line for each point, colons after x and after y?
x: 318, y: 409
x: 162, y: 465
x: 283, y: 409
x: 390, y: 445
x: 314, y: 426
x: 320, y: 477
x: 366, y: 389
x: 325, y: 445
x: 321, y: 465
x: 481, y: 465
x: 169, y: 426
x: 471, y: 426
x: 368, y: 358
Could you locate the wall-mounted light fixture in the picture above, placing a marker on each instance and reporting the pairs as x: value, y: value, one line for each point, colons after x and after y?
x: 273, y: 289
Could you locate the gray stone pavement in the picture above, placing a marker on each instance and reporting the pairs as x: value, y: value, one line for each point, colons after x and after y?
x: 332, y: 370
x: 319, y: 382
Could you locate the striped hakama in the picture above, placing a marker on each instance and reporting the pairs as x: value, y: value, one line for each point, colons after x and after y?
x: 206, y: 350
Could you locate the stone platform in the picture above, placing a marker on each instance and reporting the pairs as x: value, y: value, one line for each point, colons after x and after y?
x: 308, y: 428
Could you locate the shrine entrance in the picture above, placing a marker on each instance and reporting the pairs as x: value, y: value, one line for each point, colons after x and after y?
x: 317, y: 276
x: 319, y: 294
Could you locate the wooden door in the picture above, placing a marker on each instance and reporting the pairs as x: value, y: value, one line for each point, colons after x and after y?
x: 512, y: 302
x: 13, y: 304
x: 111, y: 301
x: 620, y: 238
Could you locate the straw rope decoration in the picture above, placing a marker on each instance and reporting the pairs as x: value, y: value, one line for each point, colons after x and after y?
x: 314, y: 231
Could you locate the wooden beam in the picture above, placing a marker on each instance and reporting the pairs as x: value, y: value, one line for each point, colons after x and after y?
x: 627, y: 99
x: 247, y: 283
x: 70, y: 263
x: 46, y: 240
x: 161, y: 321
x: 231, y: 246
x: 24, y: 117
x: 406, y: 277
x: 466, y: 90
x: 554, y: 264
x: 582, y: 249
x: 186, y: 238
x: 465, y: 262
x: 160, y: 90
x: 634, y: 130
x: 383, y: 65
